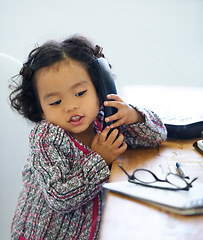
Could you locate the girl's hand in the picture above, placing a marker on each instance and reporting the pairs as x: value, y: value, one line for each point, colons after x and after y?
x: 109, y: 147
x: 125, y: 115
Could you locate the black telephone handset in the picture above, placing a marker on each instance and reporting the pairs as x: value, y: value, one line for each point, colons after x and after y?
x: 106, y: 85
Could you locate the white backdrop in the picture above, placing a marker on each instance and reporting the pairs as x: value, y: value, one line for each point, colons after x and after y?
x: 154, y: 42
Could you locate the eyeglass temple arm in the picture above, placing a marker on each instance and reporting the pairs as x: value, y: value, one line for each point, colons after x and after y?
x: 190, y: 184
x: 130, y: 177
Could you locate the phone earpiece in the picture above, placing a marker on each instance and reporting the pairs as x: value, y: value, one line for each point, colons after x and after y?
x: 106, y: 85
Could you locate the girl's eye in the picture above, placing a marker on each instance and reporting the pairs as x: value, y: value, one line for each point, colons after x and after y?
x: 81, y: 93
x: 55, y: 103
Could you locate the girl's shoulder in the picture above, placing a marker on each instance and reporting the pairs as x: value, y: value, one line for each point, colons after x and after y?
x: 46, y: 128
x: 48, y: 133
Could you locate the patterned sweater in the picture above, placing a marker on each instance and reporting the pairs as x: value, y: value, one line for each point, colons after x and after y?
x: 61, y: 196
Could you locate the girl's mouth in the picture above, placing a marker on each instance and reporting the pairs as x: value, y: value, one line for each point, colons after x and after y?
x: 76, y: 120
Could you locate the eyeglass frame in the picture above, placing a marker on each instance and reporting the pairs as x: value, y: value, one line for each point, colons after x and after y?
x: 131, y: 179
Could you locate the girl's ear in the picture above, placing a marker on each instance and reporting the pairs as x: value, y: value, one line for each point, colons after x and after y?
x: 43, y: 116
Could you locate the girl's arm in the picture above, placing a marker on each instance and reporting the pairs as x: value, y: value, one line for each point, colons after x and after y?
x: 149, y: 133
x: 67, y: 177
x: 139, y: 126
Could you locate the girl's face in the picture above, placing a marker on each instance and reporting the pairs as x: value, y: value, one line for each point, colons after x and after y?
x: 68, y: 97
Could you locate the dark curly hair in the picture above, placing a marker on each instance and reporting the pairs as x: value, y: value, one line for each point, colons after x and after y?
x: 24, y: 97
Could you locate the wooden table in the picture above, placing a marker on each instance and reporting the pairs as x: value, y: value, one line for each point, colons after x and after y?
x: 125, y: 218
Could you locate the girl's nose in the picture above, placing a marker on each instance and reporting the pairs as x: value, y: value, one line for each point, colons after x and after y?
x: 71, y: 107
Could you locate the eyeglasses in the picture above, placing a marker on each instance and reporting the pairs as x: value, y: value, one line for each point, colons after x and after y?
x: 147, y: 178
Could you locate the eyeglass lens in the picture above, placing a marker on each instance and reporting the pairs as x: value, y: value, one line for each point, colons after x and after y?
x: 176, y: 180
x: 144, y: 176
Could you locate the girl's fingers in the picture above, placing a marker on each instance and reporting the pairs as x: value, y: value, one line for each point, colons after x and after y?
x: 112, y: 136
x: 116, y: 104
x: 112, y: 118
x: 104, y: 134
x: 116, y: 101
x: 122, y: 148
x: 96, y: 138
x: 118, y: 142
x: 117, y: 118
x: 114, y: 97
x: 117, y: 123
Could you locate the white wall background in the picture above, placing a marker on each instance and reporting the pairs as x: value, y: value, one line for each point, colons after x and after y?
x: 155, y: 42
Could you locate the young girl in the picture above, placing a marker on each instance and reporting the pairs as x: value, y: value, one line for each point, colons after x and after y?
x: 70, y: 154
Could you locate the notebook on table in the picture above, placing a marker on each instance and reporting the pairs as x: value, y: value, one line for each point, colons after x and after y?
x: 179, y: 202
